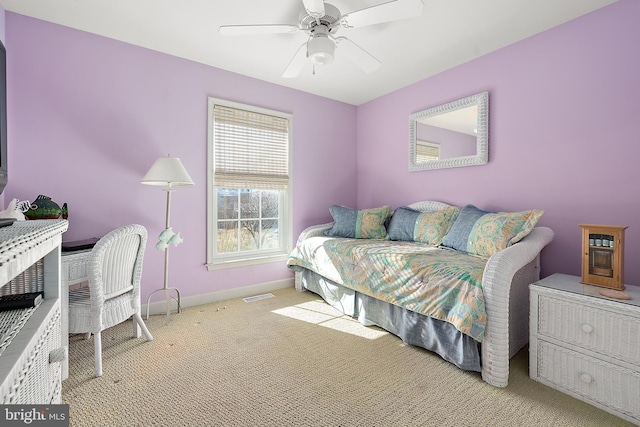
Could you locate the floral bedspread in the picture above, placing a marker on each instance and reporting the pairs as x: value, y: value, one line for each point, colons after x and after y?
x: 440, y: 283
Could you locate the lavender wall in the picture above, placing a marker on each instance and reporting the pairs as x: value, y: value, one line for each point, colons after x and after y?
x: 89, y: 115
x: 563, y: 134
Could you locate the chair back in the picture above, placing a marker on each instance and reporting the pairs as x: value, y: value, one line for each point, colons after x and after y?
x: 115, y: 264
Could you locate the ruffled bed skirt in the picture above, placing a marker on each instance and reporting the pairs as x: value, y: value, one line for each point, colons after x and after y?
x: 413, y: 328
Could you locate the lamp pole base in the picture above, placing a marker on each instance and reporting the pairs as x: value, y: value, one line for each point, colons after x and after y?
x: 167, y: 298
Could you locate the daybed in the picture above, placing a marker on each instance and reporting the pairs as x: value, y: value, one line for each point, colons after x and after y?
x: 453, y: 281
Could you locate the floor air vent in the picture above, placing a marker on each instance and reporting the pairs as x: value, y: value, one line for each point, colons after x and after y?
x: 257, y: 297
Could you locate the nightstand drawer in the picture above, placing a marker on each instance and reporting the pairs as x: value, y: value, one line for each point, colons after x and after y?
x: 602, y: 331
x: 612, y: 387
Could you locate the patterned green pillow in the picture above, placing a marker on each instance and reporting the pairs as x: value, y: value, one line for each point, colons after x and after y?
x: 484, y: 233
x: 359, y: 224
x: 431, y: 227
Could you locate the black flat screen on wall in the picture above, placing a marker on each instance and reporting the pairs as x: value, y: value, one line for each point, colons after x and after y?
x: 3, y: 117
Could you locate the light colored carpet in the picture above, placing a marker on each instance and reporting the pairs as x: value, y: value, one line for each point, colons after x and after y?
x: 292, y: 360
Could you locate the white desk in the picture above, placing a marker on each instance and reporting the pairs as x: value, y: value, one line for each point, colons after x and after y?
x: 73, y: 271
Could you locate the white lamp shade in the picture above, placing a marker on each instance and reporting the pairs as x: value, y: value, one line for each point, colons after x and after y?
x: 167, y: 171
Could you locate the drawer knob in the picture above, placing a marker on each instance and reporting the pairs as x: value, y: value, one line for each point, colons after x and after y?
x: 586, y: 378
x: 587, y: 328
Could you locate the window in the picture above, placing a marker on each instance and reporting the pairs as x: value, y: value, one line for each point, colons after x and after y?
x: 427, y: 151
x: 249, y: 188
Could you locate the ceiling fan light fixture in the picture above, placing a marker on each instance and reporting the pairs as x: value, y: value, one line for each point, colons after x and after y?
x: 321, y: 50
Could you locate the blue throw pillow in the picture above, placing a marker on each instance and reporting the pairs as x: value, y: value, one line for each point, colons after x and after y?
x: 410, y: 225
x: 359, y: 224
x: 458, y: 235
x: 403, y: 223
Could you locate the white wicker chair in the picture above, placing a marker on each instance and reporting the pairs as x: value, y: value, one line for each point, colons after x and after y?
x: 113, y: 295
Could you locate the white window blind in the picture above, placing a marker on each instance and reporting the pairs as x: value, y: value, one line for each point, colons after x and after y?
x: 427, y: 151
x: 251, y: 149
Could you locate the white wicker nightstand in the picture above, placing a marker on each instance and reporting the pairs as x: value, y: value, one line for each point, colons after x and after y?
x: 587, y: 345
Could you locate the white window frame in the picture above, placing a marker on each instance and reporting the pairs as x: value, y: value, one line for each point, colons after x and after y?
x: 217, y: 260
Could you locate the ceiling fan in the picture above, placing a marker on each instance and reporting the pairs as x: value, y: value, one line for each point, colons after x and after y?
x: 321, y: 21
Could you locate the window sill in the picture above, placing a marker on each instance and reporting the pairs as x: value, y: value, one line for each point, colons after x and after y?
x: 219, y: 265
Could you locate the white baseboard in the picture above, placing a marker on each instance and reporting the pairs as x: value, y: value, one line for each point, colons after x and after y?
x: 191, y: 301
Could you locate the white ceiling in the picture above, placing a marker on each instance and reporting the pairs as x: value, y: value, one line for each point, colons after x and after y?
x: 448, y: 33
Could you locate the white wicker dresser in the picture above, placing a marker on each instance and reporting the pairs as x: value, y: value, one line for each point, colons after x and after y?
x: 587, y: 345
x: 30, y: 340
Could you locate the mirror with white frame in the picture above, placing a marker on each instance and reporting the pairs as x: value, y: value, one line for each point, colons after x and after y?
x: 450, y: 135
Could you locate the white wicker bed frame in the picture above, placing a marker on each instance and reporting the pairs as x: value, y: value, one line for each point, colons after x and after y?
x: 505, y: 283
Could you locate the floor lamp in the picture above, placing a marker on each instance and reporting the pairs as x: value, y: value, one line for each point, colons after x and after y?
x: 167, y: 171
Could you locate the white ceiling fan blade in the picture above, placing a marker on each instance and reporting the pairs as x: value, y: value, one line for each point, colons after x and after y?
x: 385, y: 12
x: 314, y: 8
x: 357, y: 55
x: 243, y: 30
x: 297, y: 63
